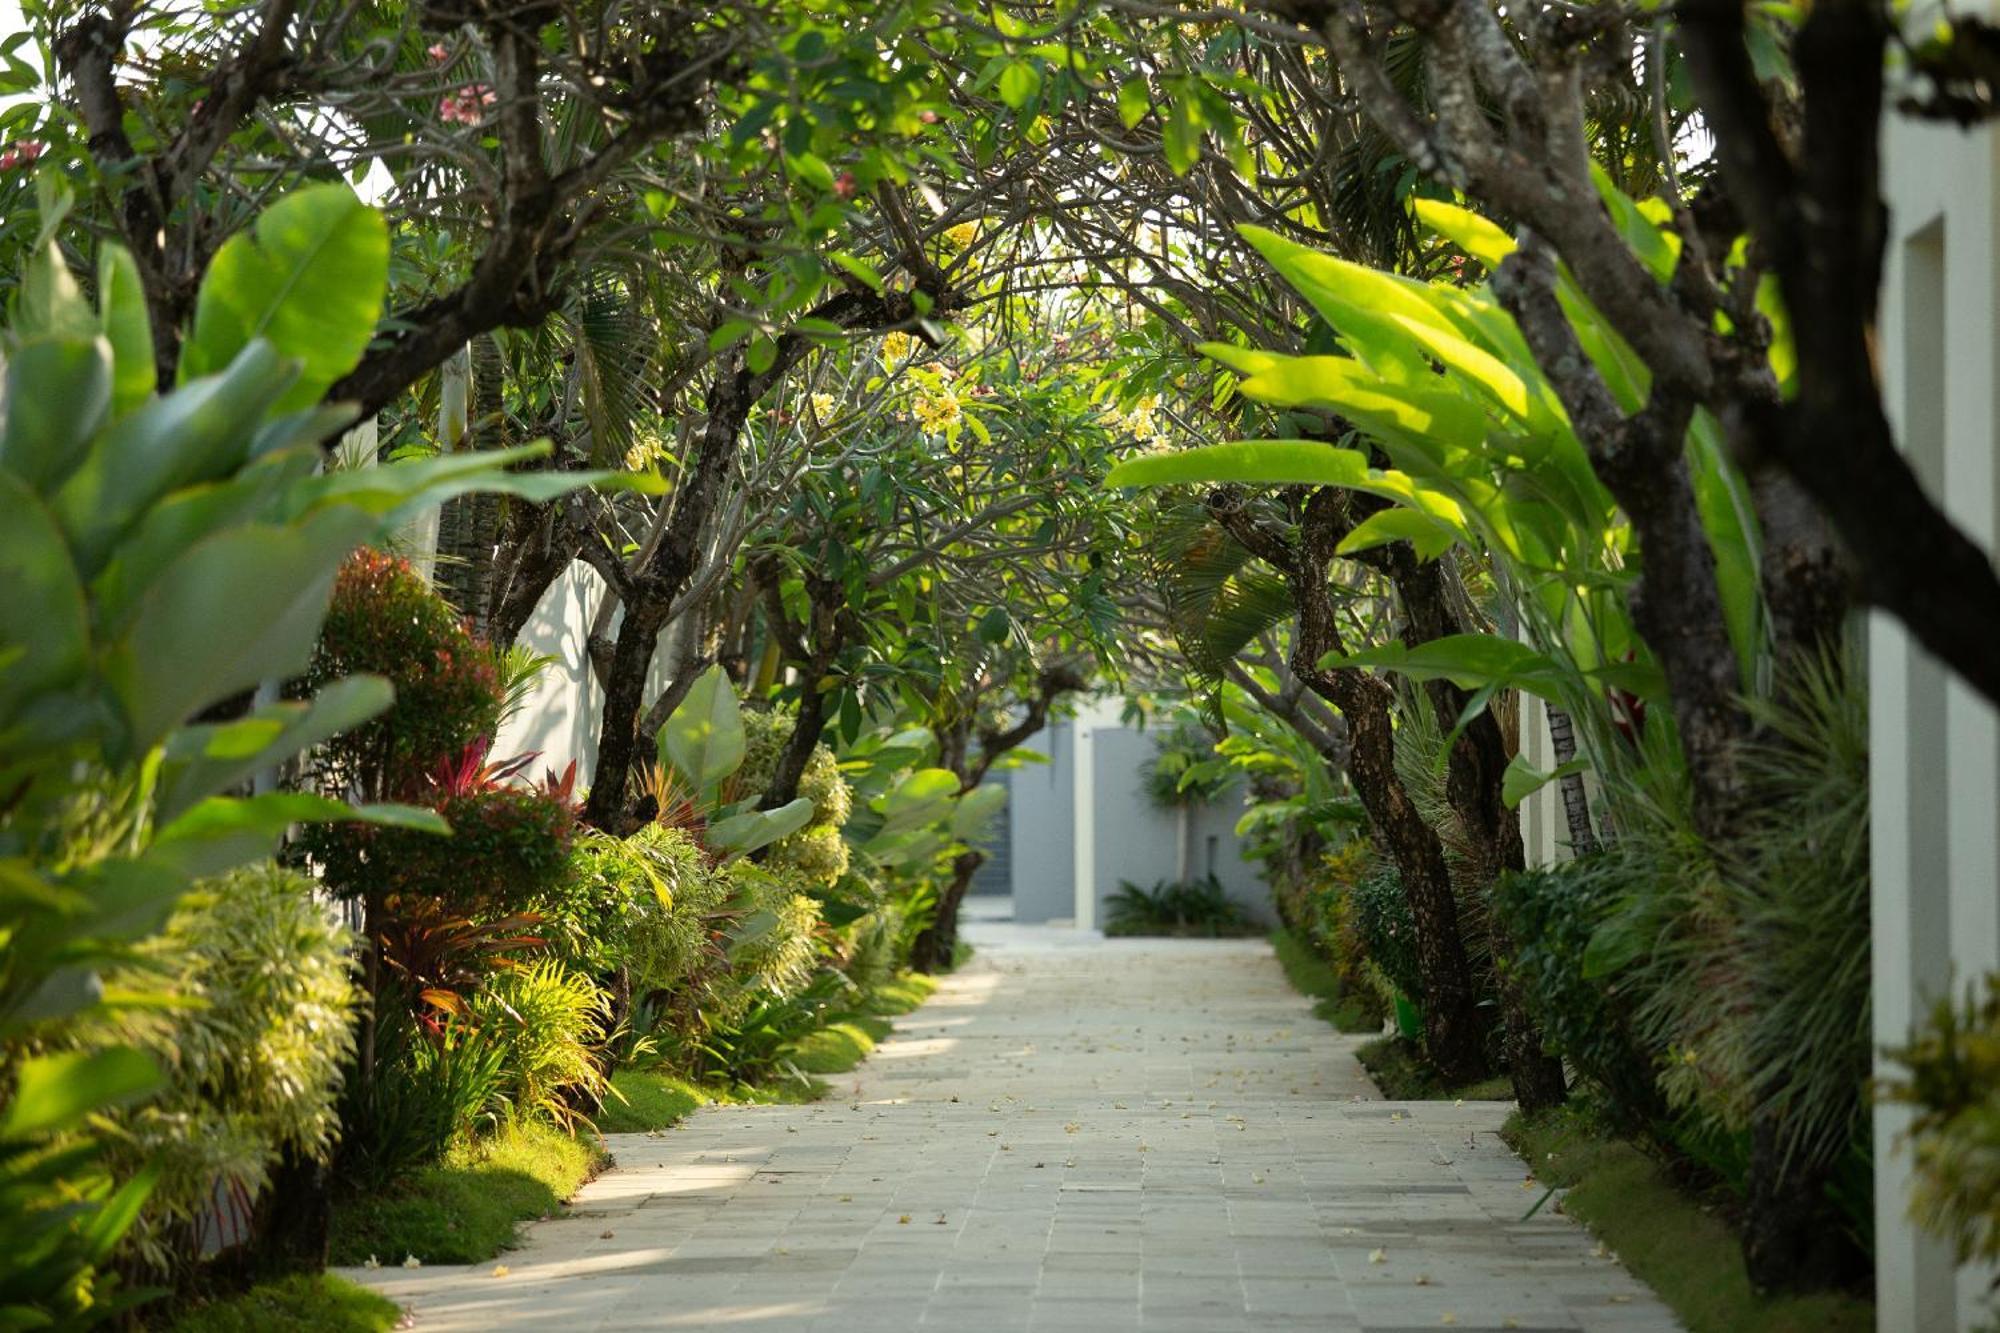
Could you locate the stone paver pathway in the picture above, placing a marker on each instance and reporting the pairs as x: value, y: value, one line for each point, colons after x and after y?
x: 1074, y: 1134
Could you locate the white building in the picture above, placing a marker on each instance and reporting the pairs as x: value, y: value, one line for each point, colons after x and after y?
x: 1934, y: 746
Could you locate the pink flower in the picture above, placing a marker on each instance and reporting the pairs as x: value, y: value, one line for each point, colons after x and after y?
x: 928, y: 117
x: 21, y: 153
x: 843, y: 185
x: 438, y: 54
x: 467, y: 106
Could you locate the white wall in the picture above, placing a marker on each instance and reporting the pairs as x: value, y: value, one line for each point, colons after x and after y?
x: 1934, y: 746
x: 561, y: 716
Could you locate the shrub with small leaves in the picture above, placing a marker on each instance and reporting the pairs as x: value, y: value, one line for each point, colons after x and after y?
x: 387, y: 621
x: 1382, y: 913
x: 509, y: 846
x: 253, y: 1047
x: 816, y: 855
x: 1952, y: 1079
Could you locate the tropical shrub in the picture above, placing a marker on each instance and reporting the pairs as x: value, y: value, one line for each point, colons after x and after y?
x: 545, y: 1020
x: 1382, y: 917
x: 679, y: 906
x: 1950, y: 1076
x: 163, y: 555
x: 1182, y: 770
x: 509, y: 847
x: 1199, y: 907
x: 772, y: 946
x: 1586, y: 1019
x: 430, y: 1087
x: 252, y: 1045
x: 387, y: 620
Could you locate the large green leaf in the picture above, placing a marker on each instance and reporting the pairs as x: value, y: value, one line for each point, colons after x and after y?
x: 923, y: 797
x: 200, y: 432
x: 1475, y: 235
x: 201, y: 761
x: 1470, y: 661
x: 121, y: 312
x: 973, y: 814
x: 189, y: 515
x: 1245, y: 462
x: 308, y: 277
x: 1522, y: 779
x: 401, y: 491
x: 55, y: 1092
x: 223, y: 832
x: 745, y: 832
x: 239, y: 607
x: 58, y: 396
x: 44, y: 619
x: 703, y: 741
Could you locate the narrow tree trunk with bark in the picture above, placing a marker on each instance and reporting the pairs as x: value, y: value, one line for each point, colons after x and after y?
x: 936, y: 944
x: 1575, y: 798
x: 1475, y: 779
x: 1454, y: 1036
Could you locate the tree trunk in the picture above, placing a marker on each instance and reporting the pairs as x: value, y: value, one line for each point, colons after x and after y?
x: 1475, y: 779
x: 935, y: 946
x: 1575, y: 799
x: 1794, y: 1239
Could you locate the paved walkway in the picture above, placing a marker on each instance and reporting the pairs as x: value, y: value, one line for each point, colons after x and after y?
x: 1073, y: 1134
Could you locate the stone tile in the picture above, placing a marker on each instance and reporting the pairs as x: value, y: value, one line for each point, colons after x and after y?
x: 1117, y: 1135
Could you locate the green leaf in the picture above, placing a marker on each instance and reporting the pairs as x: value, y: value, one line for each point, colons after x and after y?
x: 1470, y: 661
x: 222, y: 832
x: 1481, y: 239
x: 201, y: 761
x: 200, y: 432
x: 860, y: 269
x: 973, y: 814
x: 1181, y: 136
x: 121, y: 312
x: 922, y: 797
x: 746, y: 832
x: 50, y: 303
x: 1522, y: 779
x: 1135, y: 99
x: 53, y: 1093
x: 1019, y: 82
x: 59, y: 395
x: 239, y: 607
x: 729, y: 333
x: 44, y: 617
x: 995, y: 625
x: 1246, y: 462
x: 308, y: 277
x: 1430, y: 535
x: 703, y: 741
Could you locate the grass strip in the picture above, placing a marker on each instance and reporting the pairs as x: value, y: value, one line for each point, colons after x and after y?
x: 1313, y: 976
x: 465, y: 1209
x: 1683, y: 1250
x: 302, y: 1303
x: 1403, y: 1076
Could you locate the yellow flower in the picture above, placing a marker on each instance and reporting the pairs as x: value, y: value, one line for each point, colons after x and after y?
x: 936, y: 412
x: 962, y: 235
x: 897, y: 345
x: 823, y: 406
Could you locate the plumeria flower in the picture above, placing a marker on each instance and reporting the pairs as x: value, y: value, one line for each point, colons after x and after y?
x: 438, y: 54
x: 21, y: 153
x: 411, y: 1261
